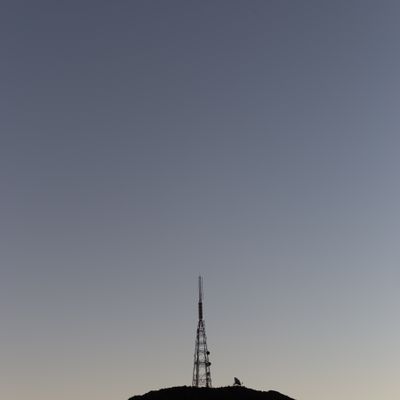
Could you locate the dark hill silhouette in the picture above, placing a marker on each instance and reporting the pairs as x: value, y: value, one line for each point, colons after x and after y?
x: 223, y: 393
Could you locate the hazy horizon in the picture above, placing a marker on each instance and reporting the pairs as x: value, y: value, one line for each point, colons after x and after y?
x: 255, y: 143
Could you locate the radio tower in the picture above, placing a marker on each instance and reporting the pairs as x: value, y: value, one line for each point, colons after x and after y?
x: 201, y: 368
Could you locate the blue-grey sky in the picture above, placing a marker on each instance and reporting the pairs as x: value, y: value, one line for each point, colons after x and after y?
x: 143, y: 143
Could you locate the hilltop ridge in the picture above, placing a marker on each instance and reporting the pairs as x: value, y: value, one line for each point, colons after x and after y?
x: 221, y: 393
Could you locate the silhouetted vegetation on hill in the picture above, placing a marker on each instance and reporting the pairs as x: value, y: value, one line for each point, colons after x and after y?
x: 223, y: 393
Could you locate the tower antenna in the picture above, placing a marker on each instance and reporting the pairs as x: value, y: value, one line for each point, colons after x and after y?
x: 201, y: 367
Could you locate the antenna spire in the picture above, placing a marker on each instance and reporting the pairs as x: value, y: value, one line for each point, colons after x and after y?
x: 200, y: 298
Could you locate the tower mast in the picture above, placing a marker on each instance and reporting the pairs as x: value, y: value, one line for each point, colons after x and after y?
x: 201, y: 367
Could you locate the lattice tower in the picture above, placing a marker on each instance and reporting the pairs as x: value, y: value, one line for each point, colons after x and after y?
x: 201, y: 367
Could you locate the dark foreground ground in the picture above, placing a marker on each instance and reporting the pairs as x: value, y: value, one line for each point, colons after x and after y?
x: 223, y: 393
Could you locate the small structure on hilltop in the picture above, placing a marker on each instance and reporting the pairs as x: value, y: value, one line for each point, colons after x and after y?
x: 236, y: 382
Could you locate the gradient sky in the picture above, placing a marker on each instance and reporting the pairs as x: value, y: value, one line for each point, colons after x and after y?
x: 143, y: 143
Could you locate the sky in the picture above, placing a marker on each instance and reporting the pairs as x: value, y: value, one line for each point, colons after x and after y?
x: 143, y: 143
